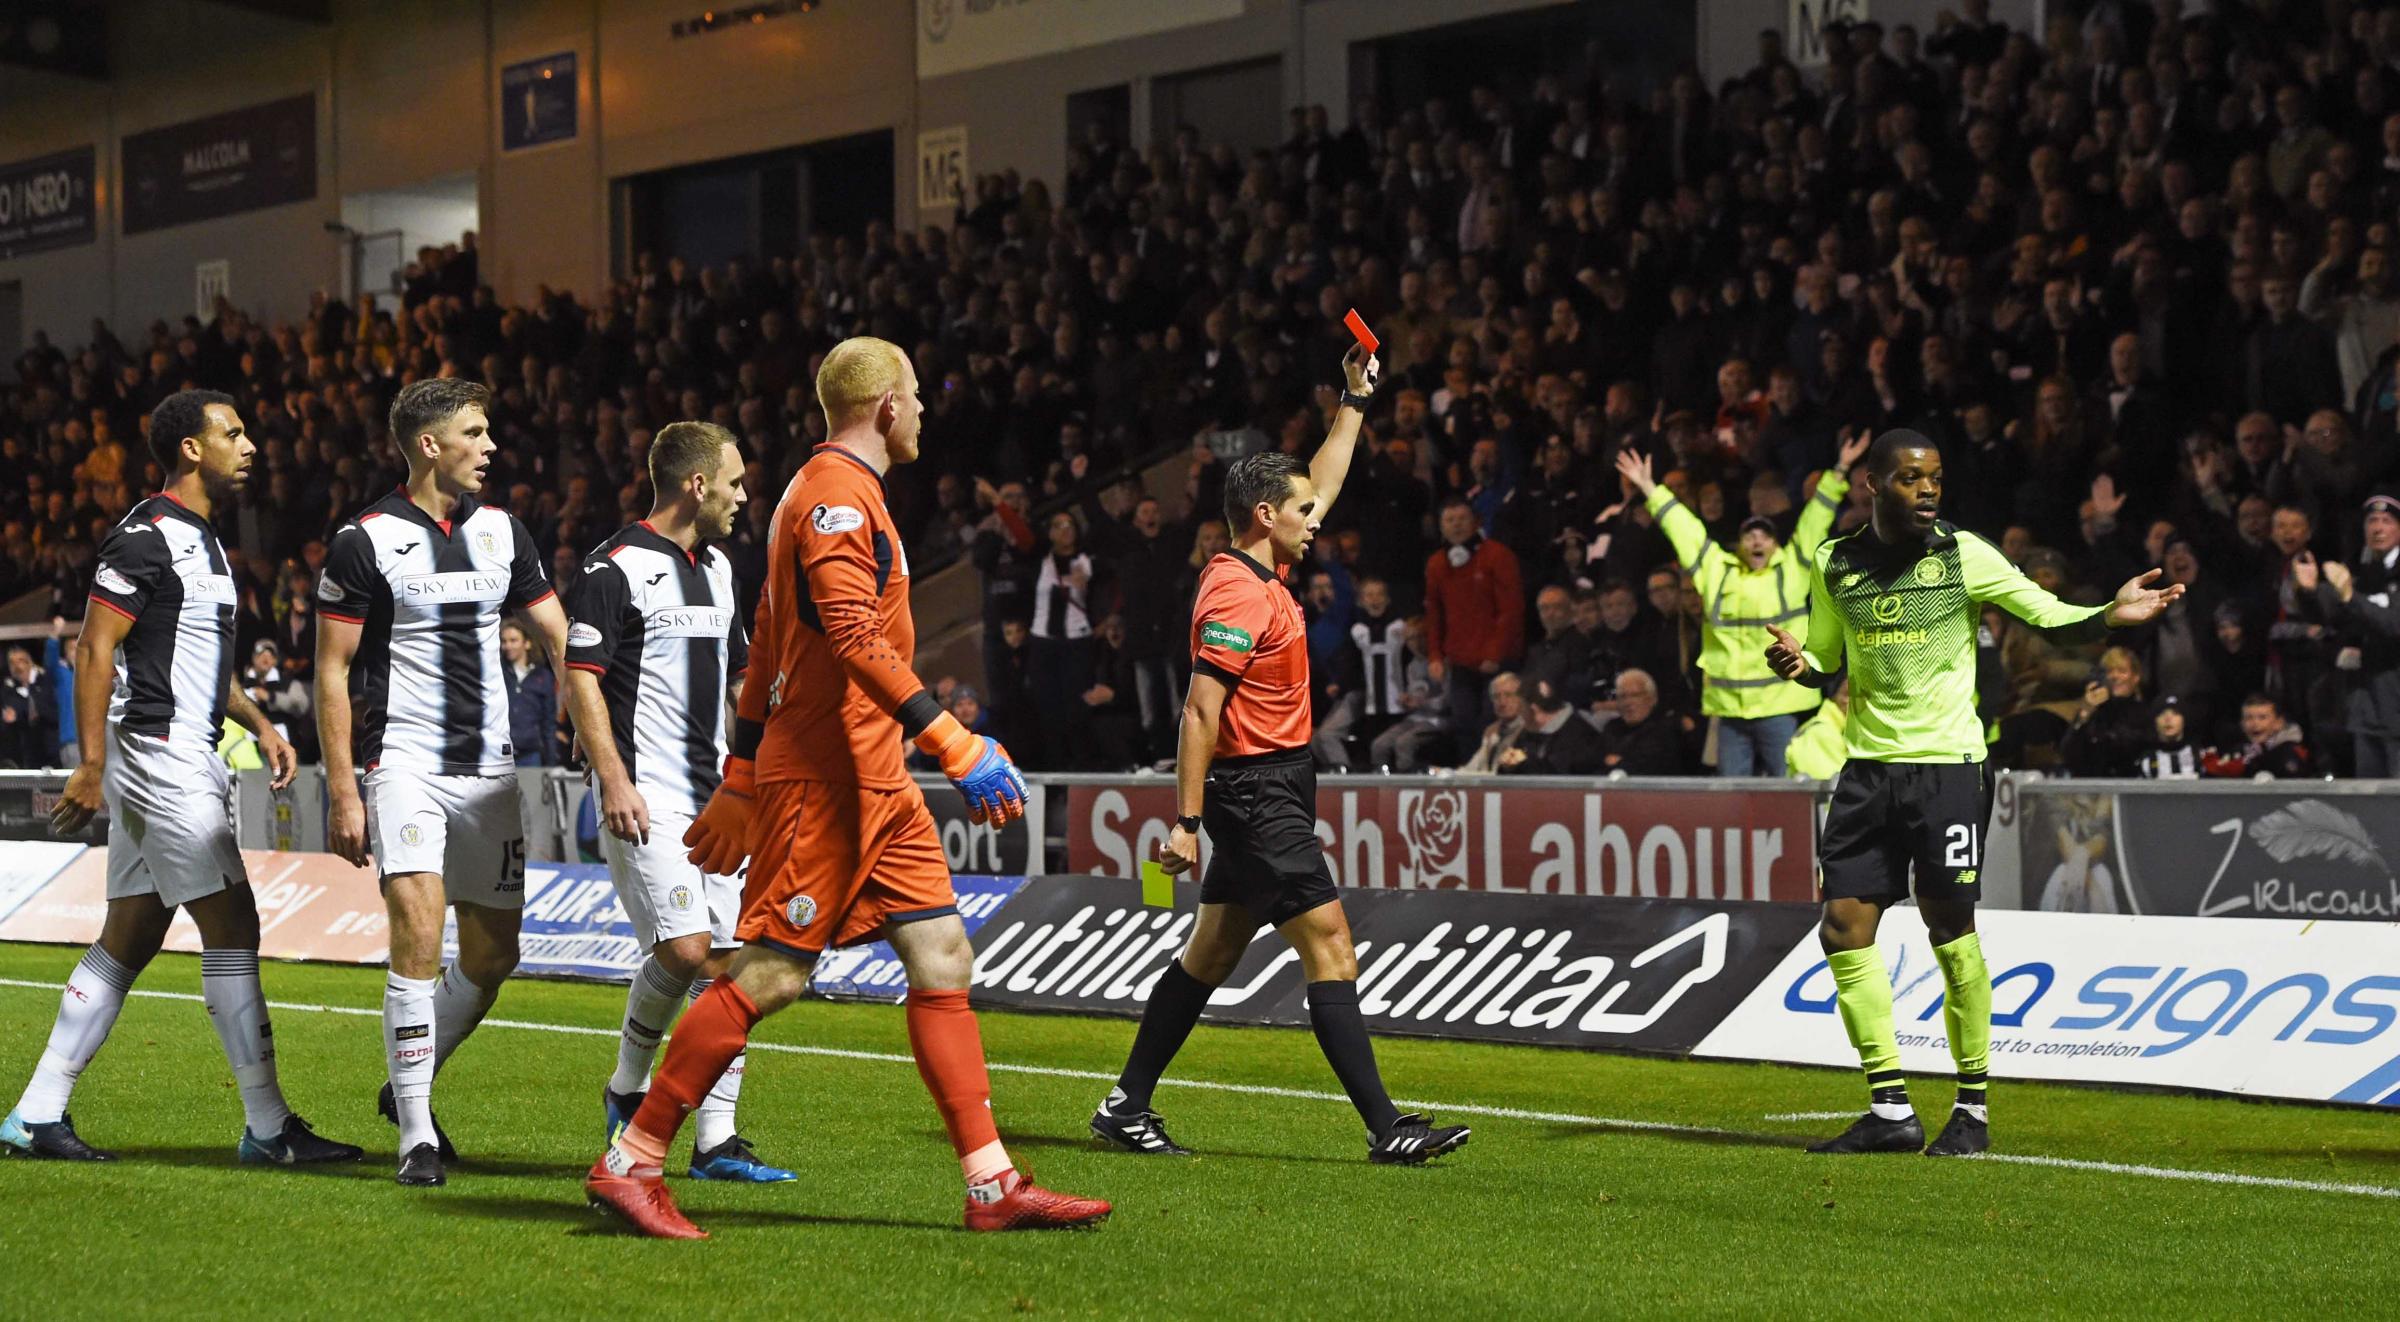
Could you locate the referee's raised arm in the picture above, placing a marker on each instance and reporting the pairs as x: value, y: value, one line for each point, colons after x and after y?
x: 1331, y: 464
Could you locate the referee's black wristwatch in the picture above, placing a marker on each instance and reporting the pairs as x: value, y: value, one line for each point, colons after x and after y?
x: 1359, y: 402
x: 1191, y: 825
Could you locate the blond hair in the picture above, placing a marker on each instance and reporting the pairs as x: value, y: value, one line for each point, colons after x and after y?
x: 856, y: 376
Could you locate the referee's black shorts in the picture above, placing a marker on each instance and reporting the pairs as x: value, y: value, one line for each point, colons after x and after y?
x: 1887, y: 818
x: 1260, y: 812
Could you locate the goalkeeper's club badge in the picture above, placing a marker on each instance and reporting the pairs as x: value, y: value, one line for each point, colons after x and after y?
x: 830, y: 519
x: 801, y: 911
x: 681, y: 898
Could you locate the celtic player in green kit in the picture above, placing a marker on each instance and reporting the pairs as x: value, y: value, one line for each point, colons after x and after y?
x: 1900, y: 600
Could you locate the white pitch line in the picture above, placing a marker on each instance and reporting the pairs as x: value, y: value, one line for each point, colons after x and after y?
x: 1786, y: 1117
x: 1450, y: 1108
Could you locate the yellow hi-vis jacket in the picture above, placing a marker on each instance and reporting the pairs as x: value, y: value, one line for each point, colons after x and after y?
x: 1737, y: 603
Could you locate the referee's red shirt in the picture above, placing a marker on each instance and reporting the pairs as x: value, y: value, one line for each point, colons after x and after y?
x: 1247, y: 630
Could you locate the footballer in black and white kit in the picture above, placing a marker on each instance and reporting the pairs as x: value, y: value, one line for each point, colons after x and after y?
x: 655, y: 652
x: 154, y: 684
x: 410, y: 692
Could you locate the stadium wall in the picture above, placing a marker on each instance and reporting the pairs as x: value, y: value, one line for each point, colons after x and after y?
x: 1729, y: 29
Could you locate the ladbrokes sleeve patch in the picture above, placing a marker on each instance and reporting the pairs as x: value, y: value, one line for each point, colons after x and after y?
x: 113, y: 581
x: 1216, y: 633
x: 830, y: 519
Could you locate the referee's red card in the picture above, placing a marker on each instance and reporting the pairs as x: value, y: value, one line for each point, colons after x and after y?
x: 1358, y: 330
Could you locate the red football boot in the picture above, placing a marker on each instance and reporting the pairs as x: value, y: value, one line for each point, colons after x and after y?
x: 1024, y: 1205
x: 640, y: 1196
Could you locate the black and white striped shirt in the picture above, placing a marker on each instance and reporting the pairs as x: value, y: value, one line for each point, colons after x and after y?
x: 164, y: 569
x: 429, y: 594
x: 661, y: 627
x: 1383, y: 661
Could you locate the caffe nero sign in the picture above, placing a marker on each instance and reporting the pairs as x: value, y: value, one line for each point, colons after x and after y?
x: 242, y: 160
x: 47, y: 203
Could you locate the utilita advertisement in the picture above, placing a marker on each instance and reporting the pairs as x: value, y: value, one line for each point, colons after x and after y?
x: 1629, y: 843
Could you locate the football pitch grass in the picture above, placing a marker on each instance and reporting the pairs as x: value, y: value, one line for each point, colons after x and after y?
x: 1595, y: 1184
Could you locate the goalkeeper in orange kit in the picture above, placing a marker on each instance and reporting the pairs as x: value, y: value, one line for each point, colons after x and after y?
x: 842, y: 848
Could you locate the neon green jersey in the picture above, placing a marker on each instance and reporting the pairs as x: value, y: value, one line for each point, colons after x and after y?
x: 1906, y: 617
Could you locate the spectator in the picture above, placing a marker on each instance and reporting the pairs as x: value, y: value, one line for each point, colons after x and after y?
x: 1003, y: 552
x: 282, y: 697
x: 1110, y: 713
x: 1010, y: 685
x: 532, y: 698
x: 2114, y: 726
x: 2366, y: 605
x: 1507, y: 701
x: 1146, y: 553
x: 28, y: 713
x: 1765, y: 583
x: 1555, y: 740
x: 1474, y: 613
x: 1405, y: 746
x: 1645, y: 739
x: 1821, y: 745
x: 2271, y: 747
x: 1067, y: 585
x: 2171, y: 755
x: 1374, y: 660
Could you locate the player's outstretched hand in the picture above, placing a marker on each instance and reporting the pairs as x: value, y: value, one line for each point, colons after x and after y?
x: 1784, y: 654
x: 719, y: 838
x: 2139, y: 603
x: 282, y: 759
x: 79, y: 803
x: 994, y: 788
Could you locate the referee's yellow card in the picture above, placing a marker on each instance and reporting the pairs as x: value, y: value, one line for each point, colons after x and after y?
x: 1158, y: 886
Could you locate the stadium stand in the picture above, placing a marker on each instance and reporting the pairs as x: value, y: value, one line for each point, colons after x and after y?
x: 2135, y: 277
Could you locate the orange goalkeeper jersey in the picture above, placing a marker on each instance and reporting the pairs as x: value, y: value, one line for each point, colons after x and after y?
x: 831, y: 659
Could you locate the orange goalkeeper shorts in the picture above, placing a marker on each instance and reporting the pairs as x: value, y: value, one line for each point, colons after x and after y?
x: 835, y: 863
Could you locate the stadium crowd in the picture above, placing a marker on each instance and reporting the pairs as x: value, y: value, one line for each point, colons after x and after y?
x: 2135, y: 274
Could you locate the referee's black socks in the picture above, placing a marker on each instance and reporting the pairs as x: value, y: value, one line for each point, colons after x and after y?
x: 1175, y: 1005
x: 1342, y: 1035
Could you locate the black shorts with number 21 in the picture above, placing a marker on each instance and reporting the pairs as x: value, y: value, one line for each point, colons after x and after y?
x: 1888, y: 819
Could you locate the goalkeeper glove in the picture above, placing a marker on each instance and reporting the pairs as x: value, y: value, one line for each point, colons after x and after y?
x: 994, y: 788
x: 719, y: 838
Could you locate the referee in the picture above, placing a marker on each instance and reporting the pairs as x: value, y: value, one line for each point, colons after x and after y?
x: 1901, y: 598
x: 1242, y: 767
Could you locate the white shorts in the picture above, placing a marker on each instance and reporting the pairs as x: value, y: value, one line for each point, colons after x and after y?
x: 665, y: 894
x: 170, y: 811
x: 470, y: 830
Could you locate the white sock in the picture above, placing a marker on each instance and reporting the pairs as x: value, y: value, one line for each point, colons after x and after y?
x: 408, y: 1035
x: 714, y: 1115
x: 651, y: 1007
x: 87, y: 1009
x: 238, y: 1008
x: 458, y: 1005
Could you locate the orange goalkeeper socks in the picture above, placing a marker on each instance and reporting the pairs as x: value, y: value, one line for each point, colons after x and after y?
x: 948, y: 1045
x: 714, y: 1031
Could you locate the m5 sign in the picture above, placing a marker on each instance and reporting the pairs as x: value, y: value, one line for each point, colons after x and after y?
x: 941, y: 168
x: 1804, y: 27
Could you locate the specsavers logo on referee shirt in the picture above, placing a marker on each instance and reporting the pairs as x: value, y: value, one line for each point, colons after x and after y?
x: 1213, y: 634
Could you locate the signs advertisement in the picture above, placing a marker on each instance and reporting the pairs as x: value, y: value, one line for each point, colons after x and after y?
x: 942, y: 168
x: 2311, y: 852
x: 48, y: 202
x: 538, y: 102
x: 2274, y: 1008
x: 1649, y: 975
x: 242, y: 160
x: 1492, y: 836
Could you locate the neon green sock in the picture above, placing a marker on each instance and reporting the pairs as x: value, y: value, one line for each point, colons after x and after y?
x: 1967, y: 1013
x: 1863, y: 993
